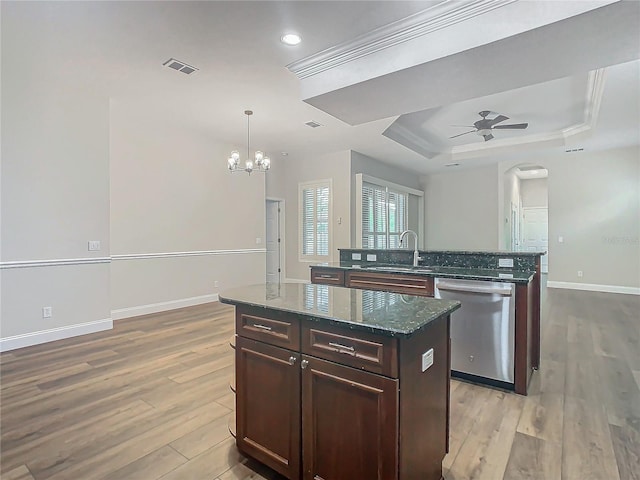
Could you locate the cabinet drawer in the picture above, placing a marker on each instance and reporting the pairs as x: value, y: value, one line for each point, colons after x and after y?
x: 410, y: 284
x: 361, y: 350
x: 327, y: 276
x: 281, y: 332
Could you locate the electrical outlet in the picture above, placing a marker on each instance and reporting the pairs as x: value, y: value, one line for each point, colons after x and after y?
x: 505, y: 262
x: 94, y: 245
x: 371, y: 257
x: 258, y: 240
x: 579, y: 273
x: 215, y: 283
x: 47, y: 312
x: 427, y: 359
x: 356, y: 256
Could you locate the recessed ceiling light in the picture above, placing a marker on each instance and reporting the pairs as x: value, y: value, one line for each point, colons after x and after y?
x: 291, y: 39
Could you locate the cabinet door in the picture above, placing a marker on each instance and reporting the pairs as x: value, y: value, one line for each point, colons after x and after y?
x: 268, y: 405
x: 349, y: 423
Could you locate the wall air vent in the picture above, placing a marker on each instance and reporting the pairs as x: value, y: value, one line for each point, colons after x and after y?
x: 313, y: 124
x: 180, y: 66
x: 573, y: 150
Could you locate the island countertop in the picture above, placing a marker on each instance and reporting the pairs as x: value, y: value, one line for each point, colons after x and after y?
x: 385, y: 313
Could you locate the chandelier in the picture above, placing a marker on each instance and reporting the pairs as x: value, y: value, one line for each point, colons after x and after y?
x: 260, y: 162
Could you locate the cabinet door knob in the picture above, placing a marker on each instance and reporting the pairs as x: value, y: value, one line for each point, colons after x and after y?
x: 292, y: 360
x: 304, y: 363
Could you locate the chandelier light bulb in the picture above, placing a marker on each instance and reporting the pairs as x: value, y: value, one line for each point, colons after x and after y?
x: 249, y: 166
x: 235, y: 155
x: 232, y: 163
x: 259, y: 156
x: 266, y: 163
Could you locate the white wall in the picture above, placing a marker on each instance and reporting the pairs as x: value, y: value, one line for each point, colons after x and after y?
x: 55, y: 198
x: 172, y: 195
x: 511, y: 196
x: 534, y: 192
x: 461, y: 209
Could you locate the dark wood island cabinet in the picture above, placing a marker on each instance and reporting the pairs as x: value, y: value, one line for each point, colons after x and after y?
x: 336, y: 383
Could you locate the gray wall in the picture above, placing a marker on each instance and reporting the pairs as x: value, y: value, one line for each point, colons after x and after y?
x: 594, y: 204
x: 172, y: 196
x: 292, y: 172
x: 55, y: 198
x: 462, y: 209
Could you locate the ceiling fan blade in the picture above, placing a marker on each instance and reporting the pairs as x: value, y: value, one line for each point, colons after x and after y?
x: 460, y: 134
x: 487, y: 137
x: 468, y: 126
x: 498, y: 119
x: 519, y: 126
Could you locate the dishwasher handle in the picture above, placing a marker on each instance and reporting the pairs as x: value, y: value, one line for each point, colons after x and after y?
x: 492, y: 290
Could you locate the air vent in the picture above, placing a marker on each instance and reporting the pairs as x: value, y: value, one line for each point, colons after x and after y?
x: 313, y: 124
x: 180, y: 66
x: 573, y: 150
x: 452, y: 165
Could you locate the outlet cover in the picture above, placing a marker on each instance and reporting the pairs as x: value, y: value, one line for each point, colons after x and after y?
x: 371, y: 257
x: 215, y: 284
x: 94, y: 245
x: 356, y: 256
x: 505, y: 262
x: 427, y: 359
x: 47, y: 312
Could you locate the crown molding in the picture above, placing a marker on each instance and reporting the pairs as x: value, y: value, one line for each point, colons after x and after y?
x: 593, y: 100
x: 442, y: 15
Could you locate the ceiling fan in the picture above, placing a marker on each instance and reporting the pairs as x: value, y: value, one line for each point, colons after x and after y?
x: 488, y: 123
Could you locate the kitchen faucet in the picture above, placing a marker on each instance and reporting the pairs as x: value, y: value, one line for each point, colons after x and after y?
x: 416, y: 255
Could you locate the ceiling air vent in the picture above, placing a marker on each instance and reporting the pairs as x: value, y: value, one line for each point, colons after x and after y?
x: 179, y: 66
x: 313, y: 124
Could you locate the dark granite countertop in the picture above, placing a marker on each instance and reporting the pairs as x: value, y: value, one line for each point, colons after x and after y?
x: 385, y: 313
x: 502, y: 275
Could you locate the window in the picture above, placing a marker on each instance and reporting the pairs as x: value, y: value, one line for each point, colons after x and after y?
x: 384, y: 216
x: 315, y: 214
x: 385, y: 210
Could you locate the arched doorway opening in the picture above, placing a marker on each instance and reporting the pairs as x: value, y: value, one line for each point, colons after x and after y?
x: 526, y: 210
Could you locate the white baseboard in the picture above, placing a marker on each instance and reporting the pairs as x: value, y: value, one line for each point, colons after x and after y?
x: 296, y: 280
x: 162, y: 306
x: 595, y: 288
x: 44, y: 336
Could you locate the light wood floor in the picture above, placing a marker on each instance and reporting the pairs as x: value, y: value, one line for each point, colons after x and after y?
x: 150, y: 400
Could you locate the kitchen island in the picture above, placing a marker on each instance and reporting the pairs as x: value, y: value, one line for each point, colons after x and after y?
x: 391, y: 270
x: 336, y: 383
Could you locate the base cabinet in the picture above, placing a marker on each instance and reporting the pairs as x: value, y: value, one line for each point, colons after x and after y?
x: 308, y: 415
x: 349, y: 423
x: 268, y: 405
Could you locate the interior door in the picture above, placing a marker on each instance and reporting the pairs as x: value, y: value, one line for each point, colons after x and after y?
x: 273, y: 241
x: 535, y: 235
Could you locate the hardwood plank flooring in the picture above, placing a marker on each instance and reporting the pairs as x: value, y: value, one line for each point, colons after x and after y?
x: 150, y: 400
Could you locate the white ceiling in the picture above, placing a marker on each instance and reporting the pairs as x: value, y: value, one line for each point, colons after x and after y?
x: 117, y: 49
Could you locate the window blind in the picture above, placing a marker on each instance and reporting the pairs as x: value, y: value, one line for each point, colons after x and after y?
x: 315, y: 203
x: 384, y: 216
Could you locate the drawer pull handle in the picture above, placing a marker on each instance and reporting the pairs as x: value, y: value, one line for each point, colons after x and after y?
x: 292, y: 360
x: 342, y: 348
x: 326, y: 276
x: 262, y: 327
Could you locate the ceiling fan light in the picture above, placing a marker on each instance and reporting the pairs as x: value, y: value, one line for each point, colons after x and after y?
x: 484, y: 131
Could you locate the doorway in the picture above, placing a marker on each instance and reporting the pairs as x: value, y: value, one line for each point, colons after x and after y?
x: 535, y: 234
x: 274, y: 239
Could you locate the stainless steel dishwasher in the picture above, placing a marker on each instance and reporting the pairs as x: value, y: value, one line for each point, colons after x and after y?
x: 482, y: 330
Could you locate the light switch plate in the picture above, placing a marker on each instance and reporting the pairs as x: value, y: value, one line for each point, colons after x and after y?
x: 427, y: 359
x: 505, y: 262
x: 356, y: 256
x: 371, y: 257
